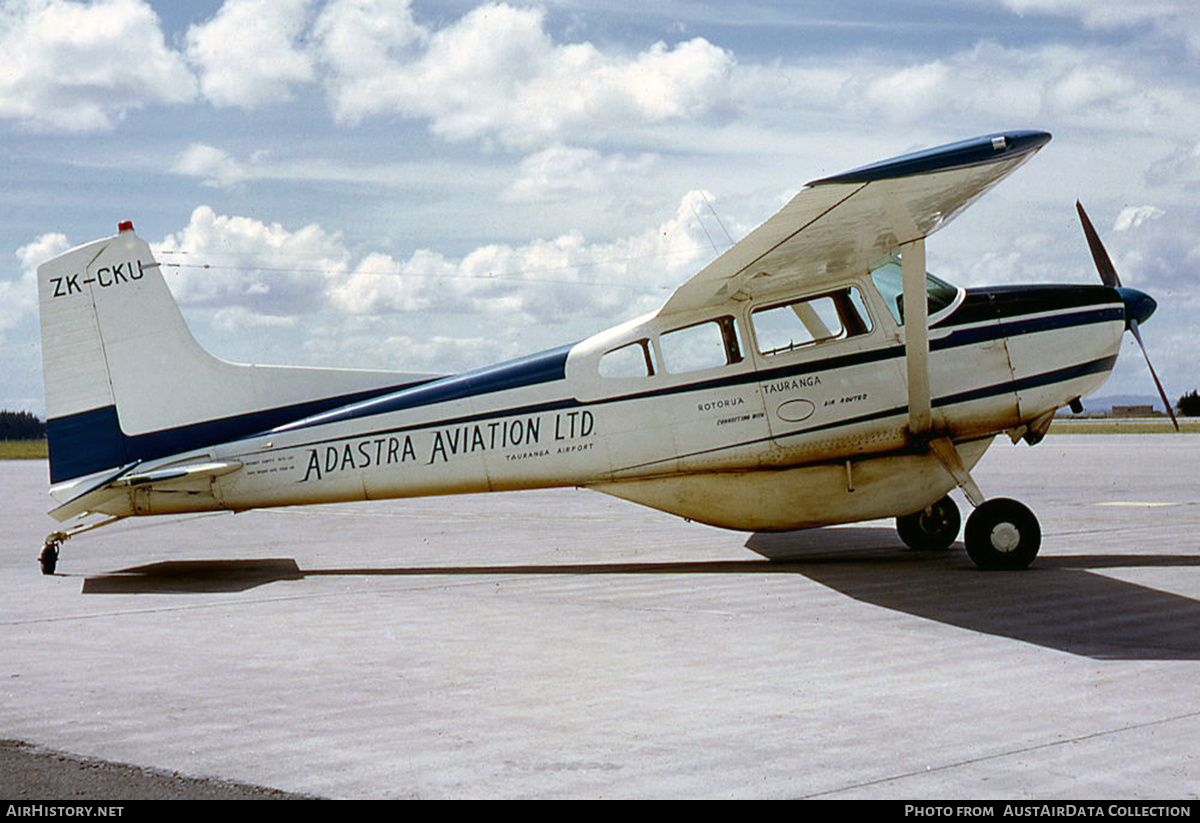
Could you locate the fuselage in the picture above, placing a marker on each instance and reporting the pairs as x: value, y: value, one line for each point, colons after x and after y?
x: 732, y: 417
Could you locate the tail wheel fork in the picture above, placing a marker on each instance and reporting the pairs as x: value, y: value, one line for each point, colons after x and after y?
x: 52, y: 547
x: 49, y: 556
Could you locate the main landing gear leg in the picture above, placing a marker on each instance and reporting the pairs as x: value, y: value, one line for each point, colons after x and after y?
x: 1001, y: 534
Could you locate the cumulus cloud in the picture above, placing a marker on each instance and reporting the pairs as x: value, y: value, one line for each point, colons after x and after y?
x: 18, y: 297
x: 497, y: 73
x: 247, y: 54
x: 908, y: 94
x: 992, y: 84
x: 214, y: 166
x: 1132, y: 217
x: 565, y: 171
x: 222, y: 260
x: 239, y: 319
x: 1105, y: 15
x: 71, y: 67
x: 246, y: 276
x: 1154, y: 248
x: 364, y: 39
x: 1181, y: 167
x: 540, y: 282
x: 1169, y: 20
x: 494, y: 73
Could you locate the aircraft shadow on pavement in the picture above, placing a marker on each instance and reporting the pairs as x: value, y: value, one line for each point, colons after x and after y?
x: 1060, y: 603
x: 194, y: 577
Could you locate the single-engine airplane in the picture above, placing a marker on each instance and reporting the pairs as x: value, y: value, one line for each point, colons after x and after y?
x: 812, y: 374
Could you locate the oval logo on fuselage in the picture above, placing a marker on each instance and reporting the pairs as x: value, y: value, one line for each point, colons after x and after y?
x: 794, y: 411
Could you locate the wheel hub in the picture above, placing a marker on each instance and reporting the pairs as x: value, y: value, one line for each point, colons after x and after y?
x: 1005, y: 537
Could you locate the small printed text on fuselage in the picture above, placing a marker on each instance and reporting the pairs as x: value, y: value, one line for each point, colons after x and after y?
x: 791, y: 384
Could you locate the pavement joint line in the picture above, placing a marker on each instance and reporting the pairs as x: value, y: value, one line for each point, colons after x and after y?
x: 974, y: 761
x: 224, y: 604
x: 487, y: 577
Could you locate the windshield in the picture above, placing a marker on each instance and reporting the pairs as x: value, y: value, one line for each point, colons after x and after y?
x: 890, y: 282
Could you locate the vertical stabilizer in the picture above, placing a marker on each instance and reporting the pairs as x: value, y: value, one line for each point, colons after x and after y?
x: 126, y: 381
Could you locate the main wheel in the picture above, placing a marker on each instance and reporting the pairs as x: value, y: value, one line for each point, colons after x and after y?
x: 1002, y: 534
x: 931, y: 529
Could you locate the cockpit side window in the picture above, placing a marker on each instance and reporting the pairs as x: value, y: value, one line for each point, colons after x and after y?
x: 889, y: 281
x: 789, y: 326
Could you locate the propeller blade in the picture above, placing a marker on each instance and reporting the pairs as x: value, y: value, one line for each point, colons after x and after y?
x: 1137, y: 335
x: 1108, y: 273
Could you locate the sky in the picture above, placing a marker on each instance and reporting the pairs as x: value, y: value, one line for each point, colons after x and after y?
x: 435, y: 186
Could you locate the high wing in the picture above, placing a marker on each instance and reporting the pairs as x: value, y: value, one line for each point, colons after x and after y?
x: 857, y: 220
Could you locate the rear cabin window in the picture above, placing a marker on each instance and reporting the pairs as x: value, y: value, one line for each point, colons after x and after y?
x: 707, y: 345
x: 801, y: 323
x: 632, y: 360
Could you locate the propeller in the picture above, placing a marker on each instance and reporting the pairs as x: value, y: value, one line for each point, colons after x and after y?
x: 1108, y: 275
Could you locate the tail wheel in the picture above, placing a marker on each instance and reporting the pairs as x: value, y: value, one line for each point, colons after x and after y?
x: 1002, y: 534
x: 49, y: 558
x: 931, y: 529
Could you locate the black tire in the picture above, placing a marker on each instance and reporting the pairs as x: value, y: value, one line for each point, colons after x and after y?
x: 933, y: 529
x: 1002, y: 535
x: 49, y: 559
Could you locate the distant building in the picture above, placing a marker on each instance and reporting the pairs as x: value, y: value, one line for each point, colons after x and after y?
x: 1133, y: 411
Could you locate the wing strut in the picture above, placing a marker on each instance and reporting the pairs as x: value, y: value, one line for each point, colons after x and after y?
x: 916, y: 355
x: 916, y: 336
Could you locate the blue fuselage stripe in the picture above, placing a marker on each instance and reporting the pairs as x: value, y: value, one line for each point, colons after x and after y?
x: 91, y: 441
x: 956, y: 339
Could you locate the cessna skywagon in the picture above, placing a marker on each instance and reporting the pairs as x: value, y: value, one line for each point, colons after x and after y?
x: 811, y: 375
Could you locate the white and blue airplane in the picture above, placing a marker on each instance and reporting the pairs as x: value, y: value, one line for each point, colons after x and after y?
x: 813, y: 374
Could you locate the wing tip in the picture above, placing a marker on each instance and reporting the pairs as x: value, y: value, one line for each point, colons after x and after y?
x: 976, y: 151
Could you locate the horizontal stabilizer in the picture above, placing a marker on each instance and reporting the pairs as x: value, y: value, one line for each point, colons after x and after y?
x: 118, y: 485
x: 171, y: 474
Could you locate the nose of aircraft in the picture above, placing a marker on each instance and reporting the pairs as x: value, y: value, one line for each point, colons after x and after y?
x: 1138, y: 305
